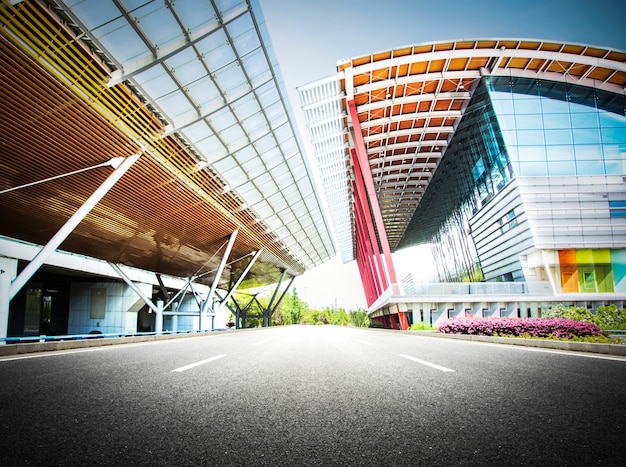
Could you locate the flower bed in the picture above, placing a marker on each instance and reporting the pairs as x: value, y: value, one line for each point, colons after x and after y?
x: 531, y: 327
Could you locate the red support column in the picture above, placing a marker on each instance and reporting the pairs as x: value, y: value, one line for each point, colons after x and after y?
x: 361, y: 164
x: 394, y: 321
x: 361, y: 198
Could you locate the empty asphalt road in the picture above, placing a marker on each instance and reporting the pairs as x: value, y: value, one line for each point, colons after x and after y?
x: 312, y: 395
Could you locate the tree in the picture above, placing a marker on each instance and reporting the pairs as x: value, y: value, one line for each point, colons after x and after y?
x: 293, y: 308
x: 359, y: 318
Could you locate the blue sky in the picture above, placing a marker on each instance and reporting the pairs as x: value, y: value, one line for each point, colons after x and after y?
x: 309, y: 36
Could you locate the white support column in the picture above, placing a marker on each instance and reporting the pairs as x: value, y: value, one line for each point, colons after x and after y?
x: 8, y: 270
x: 70, y: 225
x: 158, y: 317
x: 218, y: 275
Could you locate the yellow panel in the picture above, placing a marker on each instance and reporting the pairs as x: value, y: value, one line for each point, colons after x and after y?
x: 584, y: 256
x: 602, y: 256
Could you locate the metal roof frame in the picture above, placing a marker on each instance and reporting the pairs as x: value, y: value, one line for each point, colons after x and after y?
x: 409, y: 101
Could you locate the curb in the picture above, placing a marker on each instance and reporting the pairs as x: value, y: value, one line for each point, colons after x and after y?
x: 590, y: 347
x: 34, y: 347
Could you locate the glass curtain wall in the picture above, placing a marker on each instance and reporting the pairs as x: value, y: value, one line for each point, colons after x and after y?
x: 516, y: 127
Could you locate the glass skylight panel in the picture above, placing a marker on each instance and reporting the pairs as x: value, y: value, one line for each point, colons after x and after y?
x: 206, y: 95
x: 256, y: 126
x: 227, y: 7
x: 243, y: 35
x: 265, y: 183
x: 245, y: 107
x: 232, y: 81
x: 235, y: 177
x: 94, y: 13
x: 267, y: 95
x: 272, y: 157
x: 254, y: 168
x: 156, y: 21
x: 250, y: 193
x: 216, y: 51
x: 176, y: 106
x: 290, y: 191
x: 119, y: 38
x: 222, y: 119
x: 234, y: 137
x: 225, y: 164
x: 283, y: 134
x: 265, y: 143
x: 257, y: 68
x: 196, y: 132
x: 155, y: 82
x: 186, y: 66
x: 276, y: 114
x: 195, y: 14
x: 246, y: 154
x: 211, y: 148
x: 264, y: 211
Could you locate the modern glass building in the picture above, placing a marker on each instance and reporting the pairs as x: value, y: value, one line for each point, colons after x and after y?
x: 507, y: 157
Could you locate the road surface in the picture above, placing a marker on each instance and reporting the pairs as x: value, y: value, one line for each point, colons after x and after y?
x: 312, y: 396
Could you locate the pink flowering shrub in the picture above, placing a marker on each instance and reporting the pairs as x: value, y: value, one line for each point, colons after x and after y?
x: 533, y: 327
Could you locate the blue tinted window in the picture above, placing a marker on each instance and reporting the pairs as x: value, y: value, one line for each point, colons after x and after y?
x: 589, y: 167
x: 528, y: 122
x: 530, y: 137
x: 504, y: 107
x: 553, y: 106
x: 611, y: 120
x: 560, y: 153
x: 527, y: 106
x: 588, y: 152
x: 585, y: 120
x: 533, y: 169
x: 586, y: 135
x: 614, y: 135
x: 561, y: 168
x: 557, y: 121
x: 532, y: 153
x: 507, y: 122
x: 558, y: 136
x: 615, y: 167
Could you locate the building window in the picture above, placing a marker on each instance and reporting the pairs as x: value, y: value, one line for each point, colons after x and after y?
x: 508, y: 221
x: 617, y: 209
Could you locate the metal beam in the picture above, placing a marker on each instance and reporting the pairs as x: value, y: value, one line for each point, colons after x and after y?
x: 137, y: 290
x: 70, y: 225
x: 241, y: 277
x: 218, y: 275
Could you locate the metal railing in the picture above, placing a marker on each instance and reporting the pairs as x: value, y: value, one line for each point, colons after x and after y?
x: 477, y: 288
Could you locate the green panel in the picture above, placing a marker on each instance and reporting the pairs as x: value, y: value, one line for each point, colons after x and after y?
x: 587, y: 279
x: 618, y: 260
x: 604, y: 274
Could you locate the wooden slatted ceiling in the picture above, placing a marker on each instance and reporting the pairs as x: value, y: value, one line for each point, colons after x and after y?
x: 164, y: 215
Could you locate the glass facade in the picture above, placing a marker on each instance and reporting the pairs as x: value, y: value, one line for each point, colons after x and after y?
x: 520, y: 127
x: 555, y: 129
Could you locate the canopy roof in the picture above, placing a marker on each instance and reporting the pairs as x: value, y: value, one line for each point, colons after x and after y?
x: 190, y: 85
x: 409, y: 102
